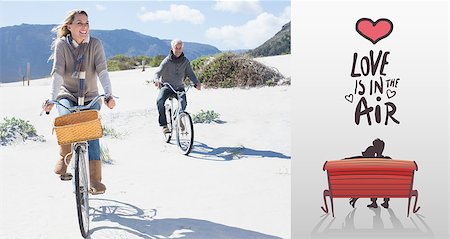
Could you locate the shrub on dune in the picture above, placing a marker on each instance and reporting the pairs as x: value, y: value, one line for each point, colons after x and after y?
x: 15, y: 130
x: 228, y: 70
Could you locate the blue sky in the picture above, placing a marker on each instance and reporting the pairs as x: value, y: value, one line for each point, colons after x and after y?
x: 224, y: 24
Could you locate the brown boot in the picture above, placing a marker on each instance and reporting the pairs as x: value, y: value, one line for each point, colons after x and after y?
x: 65, y: 152
x: 95, y: 174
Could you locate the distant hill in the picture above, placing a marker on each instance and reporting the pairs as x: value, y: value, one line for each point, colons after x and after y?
x: 277, y: 45
x: 31, y: 43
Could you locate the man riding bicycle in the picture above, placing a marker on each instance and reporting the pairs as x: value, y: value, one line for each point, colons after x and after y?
x: 173, y: 70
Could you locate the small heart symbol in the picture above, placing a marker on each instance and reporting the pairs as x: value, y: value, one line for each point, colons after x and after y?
x: 390, y: 93
x: 374, y: 31
x: 349, y: 98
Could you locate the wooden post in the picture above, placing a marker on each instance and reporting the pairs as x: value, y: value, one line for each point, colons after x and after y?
x: 23, y: 80
x: 143, y: 64
x: 28, y: 73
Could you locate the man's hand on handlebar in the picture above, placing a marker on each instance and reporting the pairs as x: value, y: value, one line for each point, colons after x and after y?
x: 198, y: 86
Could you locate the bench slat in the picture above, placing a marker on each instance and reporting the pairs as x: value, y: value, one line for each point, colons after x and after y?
x: 371, y: 193
x: 370, y: 172
x: 385, y: 181
x: 367, y: 163
x: 359, y: 177
x: 371, y: 186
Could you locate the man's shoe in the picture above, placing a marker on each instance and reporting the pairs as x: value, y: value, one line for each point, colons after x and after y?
x: 165, y: 129
x: 385, y: 204
x: 373, y: 205
x: 353, y: 201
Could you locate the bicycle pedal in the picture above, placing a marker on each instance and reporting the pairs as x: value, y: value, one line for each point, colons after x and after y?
x: 66, y: 177
x: 92, y: 192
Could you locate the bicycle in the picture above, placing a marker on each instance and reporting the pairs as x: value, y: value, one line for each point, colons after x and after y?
x: 72, y: 129
x: 179, y: 120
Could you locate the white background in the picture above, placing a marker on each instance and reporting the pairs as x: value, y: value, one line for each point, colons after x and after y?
x: 323, y: 42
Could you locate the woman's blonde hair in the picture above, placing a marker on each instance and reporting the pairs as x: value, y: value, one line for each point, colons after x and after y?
x: 61, y: 30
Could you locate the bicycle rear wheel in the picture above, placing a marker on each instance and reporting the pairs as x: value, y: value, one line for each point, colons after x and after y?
x: 168, y: 136
x: 82, y: 191
x: 185, y: 133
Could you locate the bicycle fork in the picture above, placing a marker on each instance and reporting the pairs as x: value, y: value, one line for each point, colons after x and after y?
x: 83, y: 150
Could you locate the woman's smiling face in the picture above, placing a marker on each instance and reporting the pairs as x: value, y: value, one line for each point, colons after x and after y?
x: 79, y: 28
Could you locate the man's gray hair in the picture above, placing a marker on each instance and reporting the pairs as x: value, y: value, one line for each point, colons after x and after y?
x: 176, y: 42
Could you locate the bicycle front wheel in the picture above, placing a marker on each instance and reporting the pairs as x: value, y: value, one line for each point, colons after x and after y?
x: 185, y: 133
x: 82, y: 191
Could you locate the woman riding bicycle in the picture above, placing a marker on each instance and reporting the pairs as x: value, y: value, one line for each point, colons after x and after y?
x: 75, y: 51
x: 173, y: 69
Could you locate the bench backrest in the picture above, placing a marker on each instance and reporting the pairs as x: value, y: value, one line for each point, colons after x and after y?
x: 370, y: 178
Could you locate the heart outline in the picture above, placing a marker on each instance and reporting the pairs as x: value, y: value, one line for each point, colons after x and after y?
x: 349, y: 98
x: 372, y: 31
x: 390, y: 93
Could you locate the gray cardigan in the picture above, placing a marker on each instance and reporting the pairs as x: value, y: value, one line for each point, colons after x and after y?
x: 94, y: 64
x: 174, y: 71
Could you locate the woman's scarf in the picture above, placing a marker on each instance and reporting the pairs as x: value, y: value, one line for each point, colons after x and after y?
x: 78, y: 53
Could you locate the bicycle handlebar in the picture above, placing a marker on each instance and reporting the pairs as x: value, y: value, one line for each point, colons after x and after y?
x: 178, y: 92
x: 78, y: 107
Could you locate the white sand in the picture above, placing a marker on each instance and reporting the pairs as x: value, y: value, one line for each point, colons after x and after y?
x: 234, y: 184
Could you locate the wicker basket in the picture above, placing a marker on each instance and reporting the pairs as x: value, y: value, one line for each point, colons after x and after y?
x: 78, y: 126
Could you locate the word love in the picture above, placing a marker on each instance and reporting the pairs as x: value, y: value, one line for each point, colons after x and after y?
x: 369, y: 65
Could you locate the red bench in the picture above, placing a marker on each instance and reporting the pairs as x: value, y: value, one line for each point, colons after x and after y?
x: 370, y: 178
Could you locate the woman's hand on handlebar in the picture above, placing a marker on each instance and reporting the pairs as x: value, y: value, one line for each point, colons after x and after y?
x: 110, y: 102
x: 47, y: 106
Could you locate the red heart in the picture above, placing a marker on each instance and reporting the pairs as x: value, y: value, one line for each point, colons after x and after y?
x: 374, y: 31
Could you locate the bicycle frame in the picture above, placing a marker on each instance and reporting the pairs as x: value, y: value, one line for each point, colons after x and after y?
x: 185, y: 132
x: 179, y: 108
x: 79, y: 167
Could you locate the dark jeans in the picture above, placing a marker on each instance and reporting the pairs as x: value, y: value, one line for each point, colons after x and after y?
x: 164, y: 93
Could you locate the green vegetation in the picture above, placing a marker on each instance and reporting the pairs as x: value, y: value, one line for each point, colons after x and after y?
x: 227, y: 70
x: 13, y: 130
x: 205, y: 117
x: 122, y: 62
x: 156, y: 61
x: 111, y: 132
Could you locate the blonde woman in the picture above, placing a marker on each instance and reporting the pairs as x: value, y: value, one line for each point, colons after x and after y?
x: 74, y: 49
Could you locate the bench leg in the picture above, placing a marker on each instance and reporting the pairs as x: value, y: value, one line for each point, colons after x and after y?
x: 414, y: 193
x: 325, y: 194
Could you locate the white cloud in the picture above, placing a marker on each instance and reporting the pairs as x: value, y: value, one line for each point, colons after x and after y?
x: 251, y: 34
x: 100, y: 7
x: 238, y: 6
x: 286, y: 14
x: 175, y: 13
